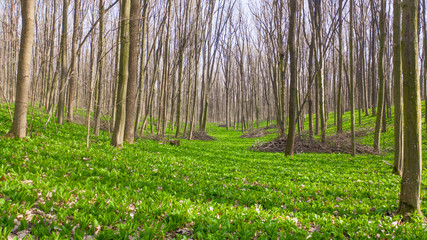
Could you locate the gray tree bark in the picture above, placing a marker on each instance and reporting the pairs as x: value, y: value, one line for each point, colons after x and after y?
x: 19, y: 125
x: 412, y: 152
x: 119, y: 126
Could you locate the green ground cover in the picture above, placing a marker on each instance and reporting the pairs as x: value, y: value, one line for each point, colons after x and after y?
x: 53, y: 188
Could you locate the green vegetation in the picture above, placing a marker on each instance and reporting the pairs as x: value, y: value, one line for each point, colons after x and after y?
x: 57, y: 189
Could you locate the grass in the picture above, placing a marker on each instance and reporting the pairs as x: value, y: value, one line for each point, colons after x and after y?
x: 57, y: 189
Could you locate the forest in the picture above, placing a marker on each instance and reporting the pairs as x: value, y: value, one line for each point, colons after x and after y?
x: 213, y: 119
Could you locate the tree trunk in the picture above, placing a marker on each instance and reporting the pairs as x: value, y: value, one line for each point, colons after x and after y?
x: 373, y: 76
x: 91, y: 88
x: 73, y: 73
x: 412, y: 164
x: 340, y: 76
x: 290, y: 144
x: 320, y: 69
x: 178, y: 110
x: 143, y: 65
x: 132, y: 87
x: 196, y: 75
x: 381, y: 90
x: 353, y: 144
x: 63, y: 54
x: 119, y: 126
x: 100, y: 64
x: 310, y: 89
x: 397, y: 78
x: 19, y: 125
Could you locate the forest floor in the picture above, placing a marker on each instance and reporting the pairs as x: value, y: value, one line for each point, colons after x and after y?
x: 51, y: 187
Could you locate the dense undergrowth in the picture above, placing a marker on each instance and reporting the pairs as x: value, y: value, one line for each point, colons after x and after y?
x: 52, y: 187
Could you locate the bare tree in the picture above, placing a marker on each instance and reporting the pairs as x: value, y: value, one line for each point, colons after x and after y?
x: 398, y: 87
x: 19, y: 125
x: 64, y: 70
x: 412, y: 157
x: 119, y: 126
x: 290, y: 145
x: 132, y: 87
x: 73, y: 67
x: 381, y: 92
x: 353, y: 145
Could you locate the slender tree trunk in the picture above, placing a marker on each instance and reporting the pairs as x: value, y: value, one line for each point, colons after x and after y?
x: 310, y: 89
x: 398, y: 87
x: 412, y: 164
x: 178, y: 110
x: 353, y: 144
x: 63, y: 54
x: 373, y: 57
x: 91, y: 88
x: 143, y: 64
x: 381, y: 92
x: 165, y: 82
x: 119, y: 126
x: 100, y: 64
x: 290, y: 144
x: 131, y: 96
x: 52, y: 48
x: 320, y: 69
x: 340, y: 76
x: 116, y: 73
x: 363, y: 59
x: 19, y: 125
x: 196, y: 75
x: 73, y: 73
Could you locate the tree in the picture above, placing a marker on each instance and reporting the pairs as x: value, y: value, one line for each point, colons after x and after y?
x: 319, y: 63
x: 412, y: 156
x: 91, y: 82
x: 63, y: 59
x: 132, y: 86
x: 100, y: 69
x: 290, y: 145
x: 73, y: 71
x: 373, y: 58
x: 353, y: 145
x: 340, y: 76
x: 119, y: 125
x: 381, y: 91
x: 398, y: 100
x: 196, y: 74
x: 143, y: 64
x: 19, y: 125
x: 182, y: 44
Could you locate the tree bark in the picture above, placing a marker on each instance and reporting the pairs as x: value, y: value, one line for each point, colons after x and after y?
x: 290, y: 144
x: 73, y: 72
x: 373, y: 52
x: 320, y: 70
x: 196, y: 75
x: 132, y: 87
x: 143, y: 64
x: 19, y: 125
x: 100, y: 64
x: 412, y: 164
x: 381, y: 91
x: 119, y: 126
x: 353, y: 144
x: 64, y: 70
x: 340, y: 76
